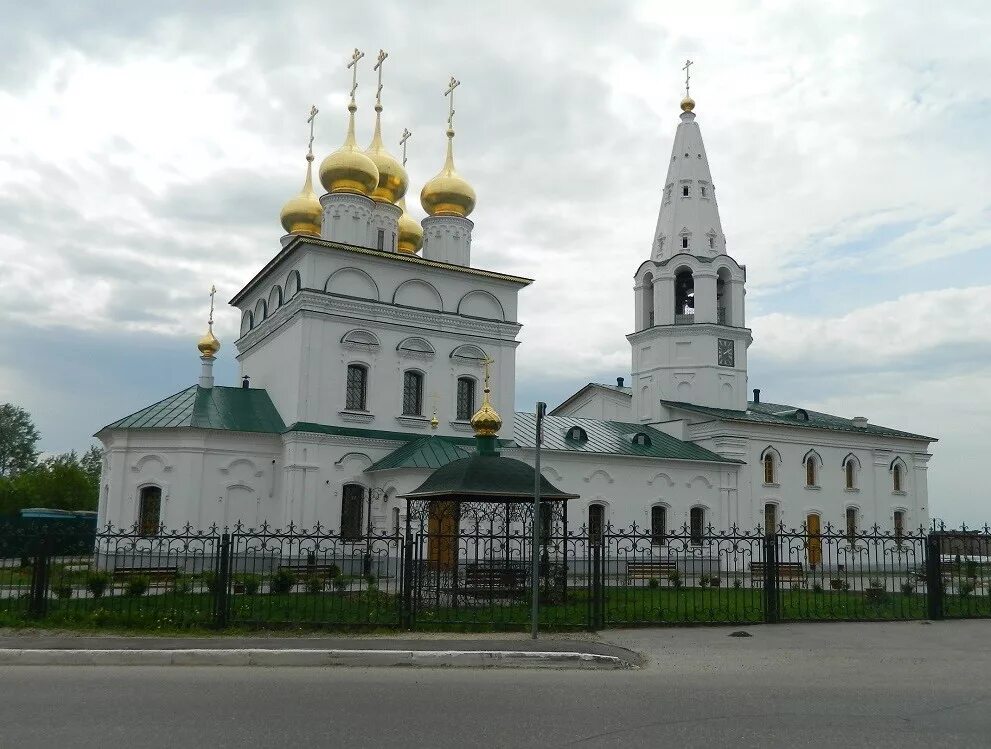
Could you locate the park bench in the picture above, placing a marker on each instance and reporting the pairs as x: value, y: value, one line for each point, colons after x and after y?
x: 494, y: 580
x: 787, y: 572
x: 656, y: 570
x: 158, y: 575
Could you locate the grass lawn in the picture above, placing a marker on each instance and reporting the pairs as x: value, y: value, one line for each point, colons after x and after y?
x: 623, y: 606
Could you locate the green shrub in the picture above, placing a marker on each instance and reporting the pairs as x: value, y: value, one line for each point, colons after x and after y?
x: 966, y: 589
x: 714, y: 581
x: 183, y: 583
x: 213, y: 582
x: 282, y: 581
x: 674, y: 577
x: 333, y: 571
x: 653, y: 582
x: 315, y: 583
x: 907, y: 588
x: 837, y: 583
x: 371, y: 580
x: 817, y: 588
x: 62, y: 589
x: 137, y: 585
x: 341, y: 582
x: 97, y: 583
x: 252, y: 583
x: 971, y: 567
x: 876, y: 582
x: 737, y: 583
x: 703, y: 581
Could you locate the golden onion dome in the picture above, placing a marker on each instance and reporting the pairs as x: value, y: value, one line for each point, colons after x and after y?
x: 448, y: 193
x: 208, y: 344
x: 349, y: 169
x: 393, y: 180
x: 302, y: 213
x: 486, y: 422
x: 410, y: 232
x: 687, y: 104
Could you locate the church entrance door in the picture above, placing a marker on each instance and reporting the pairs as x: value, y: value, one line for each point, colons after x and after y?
x: 814, y: 541
x: 442, y: 535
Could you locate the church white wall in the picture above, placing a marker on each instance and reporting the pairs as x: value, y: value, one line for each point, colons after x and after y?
x: 599, y: 404
x: 206, y: 477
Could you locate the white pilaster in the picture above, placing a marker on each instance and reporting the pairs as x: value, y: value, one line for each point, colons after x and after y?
x: 206, y: 372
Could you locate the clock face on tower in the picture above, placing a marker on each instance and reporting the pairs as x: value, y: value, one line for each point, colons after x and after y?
x: 725, y: 352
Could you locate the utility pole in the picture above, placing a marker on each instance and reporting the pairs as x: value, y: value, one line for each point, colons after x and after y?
x: 535, y: 550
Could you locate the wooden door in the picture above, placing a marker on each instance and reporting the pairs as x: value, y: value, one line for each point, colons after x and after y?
x: 814, y: 548
x: 442, y: 535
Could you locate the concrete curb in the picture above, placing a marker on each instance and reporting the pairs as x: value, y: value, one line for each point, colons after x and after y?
x: 308, y: 658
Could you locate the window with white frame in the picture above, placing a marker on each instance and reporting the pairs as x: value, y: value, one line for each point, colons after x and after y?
x: 658, y: 524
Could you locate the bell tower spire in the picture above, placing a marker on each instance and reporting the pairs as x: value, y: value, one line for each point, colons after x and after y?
x: 691, y: 341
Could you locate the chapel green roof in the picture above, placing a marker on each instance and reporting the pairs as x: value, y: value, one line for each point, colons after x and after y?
x: 234, y: 409
x: 609, y: 438
x: 426, y: 452
x: 486, y: 477
x: 777, y: 414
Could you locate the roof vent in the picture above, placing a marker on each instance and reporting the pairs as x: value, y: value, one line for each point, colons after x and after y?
x: 756, y: 395
x: 642, y: 439
x: 577, y: 434
x: 244, y: 382
x: 860, y: 421
x: 619, y: 382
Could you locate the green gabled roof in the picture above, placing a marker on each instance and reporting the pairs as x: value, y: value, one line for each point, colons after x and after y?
x: 427, y: 452
x: 486, y: 477
x: 230, y: 408
x: 609, y: 438
x: 778, y: 414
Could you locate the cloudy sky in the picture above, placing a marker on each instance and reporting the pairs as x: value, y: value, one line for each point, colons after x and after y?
x: 145, y: 154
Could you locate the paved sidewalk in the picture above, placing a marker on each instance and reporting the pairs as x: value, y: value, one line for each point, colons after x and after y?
x: 66, y: 649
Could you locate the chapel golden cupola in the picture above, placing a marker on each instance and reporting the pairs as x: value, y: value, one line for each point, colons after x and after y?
x: 349, y: 169
x: 448, y: 193
x: 392, y: 180
x: 302, y: 214
x: 410, y: 232
x: 208, y: 345
x: 486, y: 422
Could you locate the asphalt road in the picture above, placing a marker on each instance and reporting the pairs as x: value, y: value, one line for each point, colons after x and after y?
x: 875, y: 685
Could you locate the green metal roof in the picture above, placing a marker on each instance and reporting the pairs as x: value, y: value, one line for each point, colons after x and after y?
x: 778, y: 414
x: 486, y: 477
x: 231, y: 408
x: 609, y: 438
x: 426, y: 452
x: 376, y: 434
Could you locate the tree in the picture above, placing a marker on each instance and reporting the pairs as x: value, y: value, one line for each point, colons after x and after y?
x: 92, y: 463
x: 18, y: 440
x: 59, y: 482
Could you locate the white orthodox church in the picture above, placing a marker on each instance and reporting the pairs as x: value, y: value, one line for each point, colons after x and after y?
x: 362, y: 349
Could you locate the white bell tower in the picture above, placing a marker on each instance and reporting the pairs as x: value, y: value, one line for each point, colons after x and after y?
x: 691, y: 339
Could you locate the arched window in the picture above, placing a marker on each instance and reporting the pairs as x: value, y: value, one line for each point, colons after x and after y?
x: 768, y: 460
x: 352, y: 508
x: 896, y: 477
x: 658, y: 524
x: 851, y: 523
x: 642, y: 439
x: 596, y: 521
x: 466, y: 398
x: 850, y: 473
x: 412, y: 393
x: 576, y: 434
x: 724, y: 292
x: 899, y: 525
x: 684, y: 295
x: 770, y: 517
x: 149, y: 510
x: 810, y: 470
x: 696, y: 524
x: 647, y: 298
x: 356, y: 398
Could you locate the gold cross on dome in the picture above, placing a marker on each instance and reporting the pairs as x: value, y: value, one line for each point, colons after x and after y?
x: 402, y: 142
x: 213, y: 293
x: 358, y: 54
x: 434, y: 422
x: 311, y: 119
x: 688, y: 64
x: 378, y: 66
x: 453, y: 84
x: 488, y: 360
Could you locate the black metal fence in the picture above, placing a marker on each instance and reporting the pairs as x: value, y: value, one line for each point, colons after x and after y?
x: 480, y: 578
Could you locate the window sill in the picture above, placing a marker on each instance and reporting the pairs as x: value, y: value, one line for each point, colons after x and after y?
x: 771, y: 486
x: 813, y: 488
x: 363, y: 417
x: 410, y: 420
x: 899, y: 492
x: 852, y: 490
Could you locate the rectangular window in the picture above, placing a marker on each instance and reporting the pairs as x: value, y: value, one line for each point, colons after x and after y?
x: 712, y: 243
x: 770, y: 518
x: 684, y: 191
x: 352, y: 505
x: 849, y: 474
x: 658, y: 524
x: 696, y: 522
x: 466, y: 398
x: 899, y: 526
x: 851, y: 523
x: 684, y: 242
x: 896, y: 478
x: 412, y: 394
x: 810, y: 472
x: 703, y: 192
x: 768, y: 469
x: 357, y: 386
x: 381, y: 239
x: 596, y: 514
x: 150, y: 511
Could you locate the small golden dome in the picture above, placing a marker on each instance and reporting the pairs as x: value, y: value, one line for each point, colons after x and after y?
x: 208, y: 344
x: 393, y: 180
x: 302, y: 214
x: 486, y: 422
x: 410, y: 232
x: 349, y: 169
x: 448, y: 194
x: 687, y: 104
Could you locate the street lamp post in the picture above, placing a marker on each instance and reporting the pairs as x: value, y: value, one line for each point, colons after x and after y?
x: 535, y: 550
